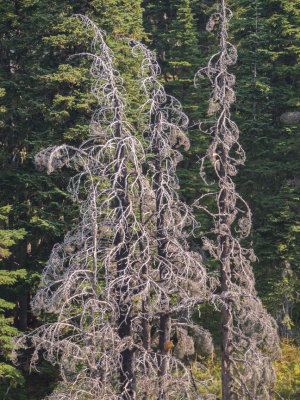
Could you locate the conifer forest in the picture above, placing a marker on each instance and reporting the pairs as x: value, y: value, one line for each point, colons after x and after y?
x: 150, y: 200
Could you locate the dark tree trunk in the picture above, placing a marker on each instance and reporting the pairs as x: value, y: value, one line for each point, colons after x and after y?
x: 226, y: 327
x: 23, y: 300
x: 146, y: 329
x: 146, y: 326
x: 226, y: 311
x: 23, y: 313
x: 127, y: 376
x: 165, y: 319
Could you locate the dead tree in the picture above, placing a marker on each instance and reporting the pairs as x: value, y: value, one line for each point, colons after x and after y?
x: 249, y: 334
x: 177, y: 280
x: 90, y: 278
x: 178, y: 268
x: 126, y: 270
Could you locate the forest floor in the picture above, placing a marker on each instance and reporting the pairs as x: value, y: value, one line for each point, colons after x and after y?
x: 287, y: 371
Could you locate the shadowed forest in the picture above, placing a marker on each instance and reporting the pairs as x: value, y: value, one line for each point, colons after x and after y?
x: 149, y: 208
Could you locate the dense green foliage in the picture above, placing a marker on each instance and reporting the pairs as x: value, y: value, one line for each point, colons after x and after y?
x: 9, y: 375
x: 267, y: 33
x: 44, y: 101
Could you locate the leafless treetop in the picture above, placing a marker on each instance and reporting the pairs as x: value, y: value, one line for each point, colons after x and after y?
x: 250, y: 337
x: 128, y: 262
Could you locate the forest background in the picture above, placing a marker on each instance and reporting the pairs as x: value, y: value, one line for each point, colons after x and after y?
x: 45, y: 101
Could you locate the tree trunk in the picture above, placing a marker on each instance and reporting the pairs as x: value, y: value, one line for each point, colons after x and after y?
x: 165, y: 319
x: 226, y: 311
x: 23, y: 301
x: 226, y: 334
x: 127, y: 376
x: 164, y: 337
x: 23, y: 313
x: 226, y: 209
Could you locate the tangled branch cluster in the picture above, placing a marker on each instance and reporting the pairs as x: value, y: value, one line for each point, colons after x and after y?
x: 124, y: 280
x: 249, y: 334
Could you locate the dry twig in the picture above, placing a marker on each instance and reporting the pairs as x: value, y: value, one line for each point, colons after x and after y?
x: 249, y: 334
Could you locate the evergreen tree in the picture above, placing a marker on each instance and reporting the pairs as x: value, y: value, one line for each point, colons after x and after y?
x: 9, y: 375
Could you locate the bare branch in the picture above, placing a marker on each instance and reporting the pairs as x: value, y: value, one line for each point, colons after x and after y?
x: 125, y: 275
x: 249, y: 334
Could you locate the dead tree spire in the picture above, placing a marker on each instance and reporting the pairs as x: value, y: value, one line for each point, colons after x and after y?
x: 249, y: 336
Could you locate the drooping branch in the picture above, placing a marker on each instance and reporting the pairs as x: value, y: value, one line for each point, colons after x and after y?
x: 249, y: 337
x: 163, y: 128
x: 127, y: 268
x: 90, y: 280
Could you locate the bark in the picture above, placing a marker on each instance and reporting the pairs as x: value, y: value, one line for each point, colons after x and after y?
x: 146, y: 326
x: 165, y: 319
x: 146, y: 331
x: 23, y: 308
x: 225, y: 210
x: 127, y: 376
x: 226, y: 326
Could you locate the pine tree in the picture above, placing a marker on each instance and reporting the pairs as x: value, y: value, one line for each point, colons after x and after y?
x: 10, y: 376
